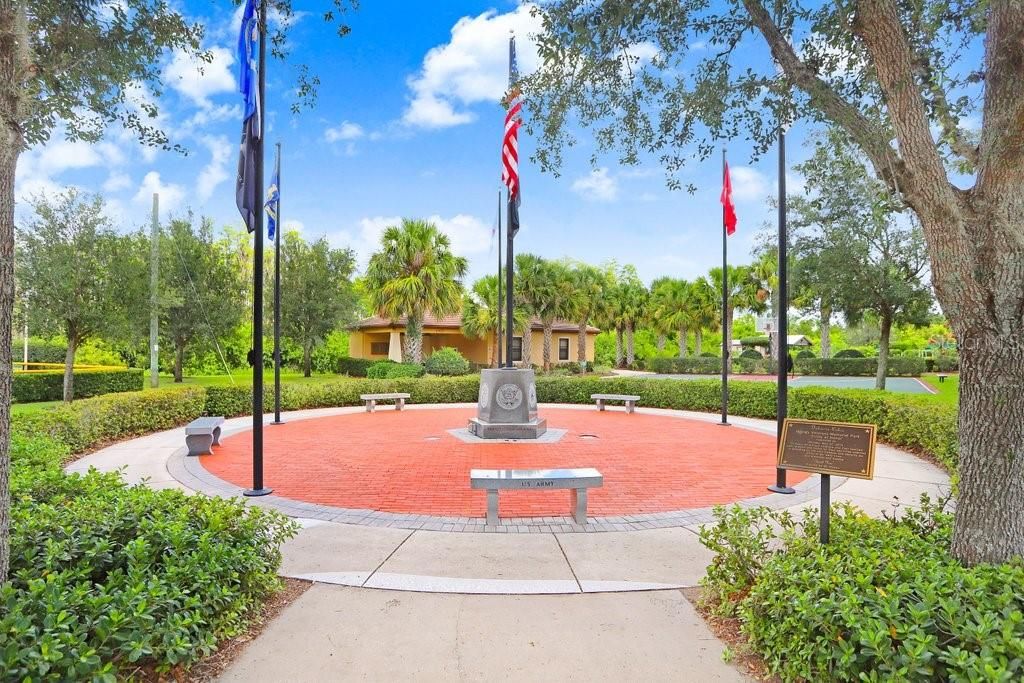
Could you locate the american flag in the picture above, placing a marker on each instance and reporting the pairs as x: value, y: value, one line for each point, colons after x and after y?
x: 510, y: 142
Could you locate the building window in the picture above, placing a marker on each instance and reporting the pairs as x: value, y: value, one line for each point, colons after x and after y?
x: 563, y: 348
x: 517, y: 349
x: 378, y: 348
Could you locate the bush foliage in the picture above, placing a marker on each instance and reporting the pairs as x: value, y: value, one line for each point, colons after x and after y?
x: 28, y: 387
x: 391, y: 370
x: 107, y: 577
x: 691, y: 365
x: 447, y: 361
x: 849, y: 353
x: 883, y: 601
x: 354, y: 367
x: 863, y: 367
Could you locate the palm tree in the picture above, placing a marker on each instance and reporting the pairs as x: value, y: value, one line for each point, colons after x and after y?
x: 702, y: 300
x: 743, y: 294
x: 481, y: 313
x: 590, y: 287
x: 546, y: 291
x: 632, y: 304
x: 660, y: 311
x: 415, y: 272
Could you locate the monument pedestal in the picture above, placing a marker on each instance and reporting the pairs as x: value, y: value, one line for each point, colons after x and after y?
x: 507, y: 406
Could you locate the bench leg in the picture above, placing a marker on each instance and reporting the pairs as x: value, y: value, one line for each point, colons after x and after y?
x: 600, y: 404
x: 579, y: 505
x: 492, y: 507
x: 199, y: 444
x: 630, y: 405
x: 399, y: 403
x: 370, y: 405
x: 216, y: 436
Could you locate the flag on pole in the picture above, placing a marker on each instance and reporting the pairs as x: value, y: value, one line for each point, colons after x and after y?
x: 728, y: 208
x: 248, y: 85
x: 273, y: 197
x: 510, y: 142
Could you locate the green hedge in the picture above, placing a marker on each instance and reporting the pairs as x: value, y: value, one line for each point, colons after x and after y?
x: 884, y: 601
x: 106, y: 578
x: 391, y: 370
x: 29, y: 387
x: 859, y: 367
x: 88, y: 423
x: 691, y: 365
x: 849, y: 353
x: 354, y: 367
x: 447, y: 361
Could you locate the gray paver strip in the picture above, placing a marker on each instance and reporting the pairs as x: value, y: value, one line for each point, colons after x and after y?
x: 334, y: 633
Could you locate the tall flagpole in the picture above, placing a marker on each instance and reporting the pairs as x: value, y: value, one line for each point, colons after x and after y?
x: 508, y: 289
x: 498, y: 333
x: 725, y: 309
x: 277, y: 293
x: 257, y: 285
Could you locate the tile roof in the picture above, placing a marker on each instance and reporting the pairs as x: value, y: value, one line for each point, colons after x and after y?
x: 455, y: 321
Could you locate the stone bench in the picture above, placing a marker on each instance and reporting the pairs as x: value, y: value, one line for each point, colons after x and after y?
x: 202, y: 434
x: 578, y: 479
x: 371, y: 400
x: 630, y: 401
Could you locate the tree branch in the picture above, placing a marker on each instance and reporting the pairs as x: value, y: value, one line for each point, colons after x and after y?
x: 866, y: 133
x: 877, y: 24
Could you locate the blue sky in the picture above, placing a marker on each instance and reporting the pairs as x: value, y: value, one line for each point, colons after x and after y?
x: 407, y: 124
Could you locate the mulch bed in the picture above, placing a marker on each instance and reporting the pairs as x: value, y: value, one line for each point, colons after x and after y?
x: 727, y: 629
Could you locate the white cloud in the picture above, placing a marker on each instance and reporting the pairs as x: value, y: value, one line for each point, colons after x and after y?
x: 294, y: 225
x: 472, y: 67
x: 171, y: 194
x: 215, y: 172
x: 598, y: 186
x: 40, y: 168
x: 469, y: 234
x: 117, y: 181
x: 346, y: 130
x: 213, y: 114
x: 748, y: 184
x: 197, y: 79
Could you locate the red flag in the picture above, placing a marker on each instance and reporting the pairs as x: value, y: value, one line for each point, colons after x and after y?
x: 728, y: 208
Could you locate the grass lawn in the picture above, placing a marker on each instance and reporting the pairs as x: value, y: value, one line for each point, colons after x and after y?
x: 949, y: 391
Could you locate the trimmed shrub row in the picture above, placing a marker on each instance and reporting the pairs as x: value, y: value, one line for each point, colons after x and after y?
x: 354, y: 367
x: 847, y: 366
x: 391, y: 370
x: 29, y: 387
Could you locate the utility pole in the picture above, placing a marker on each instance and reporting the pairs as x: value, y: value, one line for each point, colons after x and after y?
x: 154, y: 284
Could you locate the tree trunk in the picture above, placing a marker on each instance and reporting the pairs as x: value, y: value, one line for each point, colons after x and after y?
x: 682, y: 342
x: 618, y: 346
x: 69, y: 365
x: 659, y: 343
x: 527, y: 346
x: 581, y: 343
x: 179, y: 359
x: 14, y: 43
x: 547, y: 345
x: 825, y: 328
x: 698, y: 341
x: 989, y: 524
x: 883, y: 351
x: 630, y: 354
x: 307, y: 360
x: 413, y: 351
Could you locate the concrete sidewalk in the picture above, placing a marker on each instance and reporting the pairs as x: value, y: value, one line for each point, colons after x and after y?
x: 333, y: 633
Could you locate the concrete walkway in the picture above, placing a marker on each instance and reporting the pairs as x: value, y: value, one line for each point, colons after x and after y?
x: 593, y: 605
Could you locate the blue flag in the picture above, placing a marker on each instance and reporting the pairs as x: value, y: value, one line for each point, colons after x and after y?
x: 248, y: 85
x: 274, y: 198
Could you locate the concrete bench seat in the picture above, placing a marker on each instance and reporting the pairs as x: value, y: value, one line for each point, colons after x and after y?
x: 630, y: 401
x: 578, y: 479
x: 371, y: 400
x: 202, y: 434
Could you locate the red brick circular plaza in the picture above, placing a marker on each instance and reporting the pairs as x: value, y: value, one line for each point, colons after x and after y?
x: 408, y: 462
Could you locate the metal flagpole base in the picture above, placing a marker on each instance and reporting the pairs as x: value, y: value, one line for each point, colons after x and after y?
x: 276, y: 422
x: 775, y: 488
x: 724, y: 424
x: 252, y: 493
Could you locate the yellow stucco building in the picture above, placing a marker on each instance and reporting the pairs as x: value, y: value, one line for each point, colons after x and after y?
x: 378, y: 338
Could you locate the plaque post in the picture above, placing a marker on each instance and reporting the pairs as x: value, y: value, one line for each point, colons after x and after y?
x: 826, y: 505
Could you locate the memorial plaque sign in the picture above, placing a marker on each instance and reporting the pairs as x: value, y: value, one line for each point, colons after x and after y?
x: 841, y: 448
